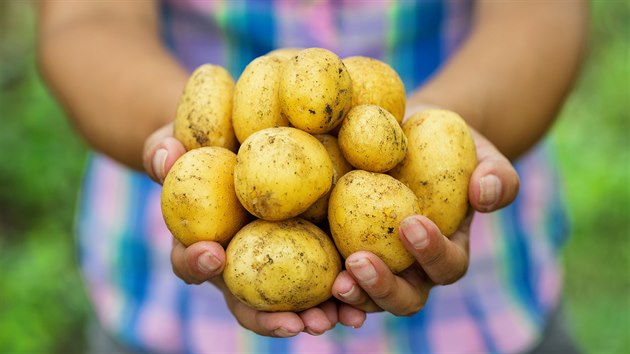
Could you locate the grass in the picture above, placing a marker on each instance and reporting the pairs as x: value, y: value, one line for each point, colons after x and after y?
x: 43, y: 307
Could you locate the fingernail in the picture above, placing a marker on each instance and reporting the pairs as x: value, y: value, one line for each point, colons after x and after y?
x: 208, y: 263
x: 283, y: 333
x: 349, y: 294
x: 363, y: 269
x: 159, y: 160
x: 313, y: 333
x: 415, y: 233
x: 489, y: 190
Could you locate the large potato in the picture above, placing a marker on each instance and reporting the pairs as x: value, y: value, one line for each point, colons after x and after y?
x: 438, y: 166
x: 371, y: 139
x: 364, y: 212
x: 198, y: 199
x: 287, y: 265
x: 280, y: 172
x: 319, y: 210
x: 315, y: 90
x: 375, y: 82
x: 204, y: 113
x: 284, y: 54
x: 256, y: 105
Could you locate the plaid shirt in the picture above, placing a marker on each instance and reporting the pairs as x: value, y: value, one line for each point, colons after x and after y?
x: 501, y: 305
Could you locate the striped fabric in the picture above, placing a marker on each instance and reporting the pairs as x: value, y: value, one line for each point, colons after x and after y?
x: 514, y: 278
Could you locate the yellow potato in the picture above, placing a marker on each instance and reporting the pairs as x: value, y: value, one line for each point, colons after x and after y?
x: 315, y: 90
x: 204, y: 113
x: 281, y: 266
x: 198, y: 200
x: 317, y: 212
x: 438, y: 166
x: 371, y: 139
x: 364, y: 212
x: 280, y: 172
x: 284, y: 53
x: 375, y: 82
x: 256, y: 105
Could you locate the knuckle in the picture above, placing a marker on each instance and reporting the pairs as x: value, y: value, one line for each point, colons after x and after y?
x: 453, y: 274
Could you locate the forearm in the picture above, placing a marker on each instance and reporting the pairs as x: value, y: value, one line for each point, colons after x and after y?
x: 111, y: 74
x: 511, y: 76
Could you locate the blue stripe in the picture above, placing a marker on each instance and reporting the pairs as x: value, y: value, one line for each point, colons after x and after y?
x: 133, y: 256
x: 427, y: 51
x: 477, y: 314
x: 166, y: 22
x: 412, y: 331
x: 519, y: 259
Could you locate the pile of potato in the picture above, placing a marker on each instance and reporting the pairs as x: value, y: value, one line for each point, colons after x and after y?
x: 302, y: 147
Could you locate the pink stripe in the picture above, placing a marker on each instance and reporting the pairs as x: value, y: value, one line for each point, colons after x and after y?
x: 160, y: 328
x: 209, y: 336
x: 512, y: 333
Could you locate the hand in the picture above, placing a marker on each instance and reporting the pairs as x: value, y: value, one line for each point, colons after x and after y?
x: 369, y: 285
x: 204, y: 261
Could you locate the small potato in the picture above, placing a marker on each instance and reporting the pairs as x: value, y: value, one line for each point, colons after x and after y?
x: 284, y: 54
x: 364, y: 212
x: 438, y: 166
x: 280, y: 172
x: 317, y: 212
x: 371, y: 139
x: 286, y: 265
x: 256, y: 104
x: 315, y: 90
x: 375, y: 82
x: 198, y: 199
x: 204, y: 113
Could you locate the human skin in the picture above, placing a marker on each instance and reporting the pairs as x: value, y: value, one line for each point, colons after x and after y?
x: 508, y: 81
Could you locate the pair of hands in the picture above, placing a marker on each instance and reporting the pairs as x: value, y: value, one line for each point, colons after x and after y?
x: 367, y: 284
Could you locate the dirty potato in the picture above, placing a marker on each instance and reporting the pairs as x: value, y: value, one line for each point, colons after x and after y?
x: 281, y: 266
x: 371, y: 139
x: 364, y: 212
x: 256, y: 105
x: 198, y: 200
x: 438, y: 166
x: 317, y: 212
x: 315, y: 90
x: 375, y: 82
x: 204, y: 112
x: 280, y: 172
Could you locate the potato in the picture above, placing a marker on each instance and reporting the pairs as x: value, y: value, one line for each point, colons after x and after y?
x: 371, y: 139
x: 364, y: 212
x: 438, y: 166
x: 198, y: 200
x: 280, y: 172
x: 256, y: 105
x: 315, y: 90
x: 204, y: 112
x: 281, y: 266
x: 319, y: 210
x: 375, y: 82
x: 284, y: 54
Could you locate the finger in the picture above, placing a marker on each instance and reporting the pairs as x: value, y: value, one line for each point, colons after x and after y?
x: 273, y: 324
x: 494, y: 183
x: 351, y: 316
x: 316, y: 320
x: 161, y: 150
x: 346, y: 289
x: 391, y: 293
x: 198, y: 262
x: 444, y: 260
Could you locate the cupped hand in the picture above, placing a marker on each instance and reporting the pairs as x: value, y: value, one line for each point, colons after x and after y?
x: 204, y: 261
x: 369, y: 285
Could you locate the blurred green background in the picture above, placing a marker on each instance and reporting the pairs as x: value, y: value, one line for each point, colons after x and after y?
x: 43, y: 306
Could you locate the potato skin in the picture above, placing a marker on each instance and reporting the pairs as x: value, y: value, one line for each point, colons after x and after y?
x: 364, y: 212
x: 287, y: 265
x: 438, y: 166
x: 371, y: 139
x: 284, y: 54
x: 319, y: 210
x: 375, y: 82
x: 204, y: 112
x: 198, y: 200
x: 315, y: 90
x: 256, y: 104
x: 280, y: 172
